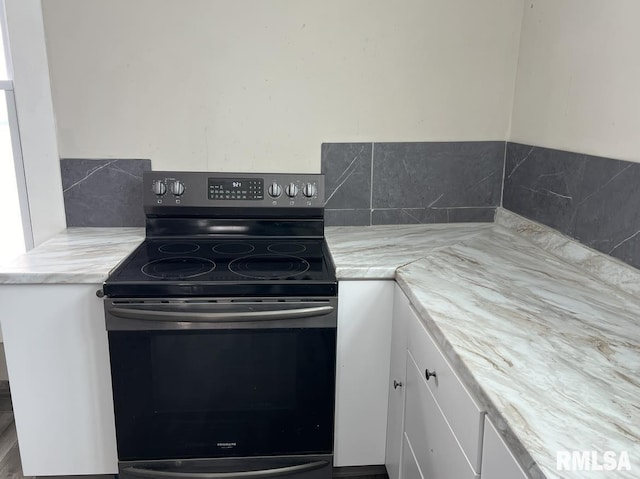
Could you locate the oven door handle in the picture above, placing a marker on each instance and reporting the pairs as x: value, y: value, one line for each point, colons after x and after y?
x: 219, y: 317
x: 278, y: 471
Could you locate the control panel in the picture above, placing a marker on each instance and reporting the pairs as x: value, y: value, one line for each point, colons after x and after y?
x: 236, y: 189
x: 202, y: 189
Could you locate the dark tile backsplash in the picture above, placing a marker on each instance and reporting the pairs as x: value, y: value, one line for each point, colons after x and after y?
x: 103, y: 192
x: 427, y: 215
x: 347, y: 170
x: 355, y: 217
x: 400, y: 183
x: 592, y: 199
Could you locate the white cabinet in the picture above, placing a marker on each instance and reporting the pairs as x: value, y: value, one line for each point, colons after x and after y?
x: 497, y: 460
x: 394, y: 454
x: 434, y: 444
x: 410, y: 469
x: 464, y: 416
x: 362, y: 371
x: 442, y: 424
x: 58, y: 361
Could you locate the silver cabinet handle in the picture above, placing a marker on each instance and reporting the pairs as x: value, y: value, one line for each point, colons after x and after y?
x: 225, y: 317
x: 278, y: 471
x: 396, y: 384
x: 429, y: 374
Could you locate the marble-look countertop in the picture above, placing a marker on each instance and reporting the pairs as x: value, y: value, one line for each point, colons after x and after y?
x: 602, y: 266
x: 551, y: 353
x: 376, y: 252
x: 77, y: 255
x: 543, y: 331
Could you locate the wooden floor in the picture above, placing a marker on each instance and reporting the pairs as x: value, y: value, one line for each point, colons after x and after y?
x: 9, y: 455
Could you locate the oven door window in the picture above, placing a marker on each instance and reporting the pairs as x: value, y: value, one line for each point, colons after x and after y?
x: 190, y: 394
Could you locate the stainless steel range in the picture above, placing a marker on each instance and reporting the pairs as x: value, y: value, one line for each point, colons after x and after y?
x: 222, y: 330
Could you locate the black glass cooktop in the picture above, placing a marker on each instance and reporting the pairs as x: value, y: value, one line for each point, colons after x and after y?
x: 196, y: 267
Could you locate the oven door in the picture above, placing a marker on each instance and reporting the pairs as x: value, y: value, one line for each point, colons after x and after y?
x: 222, y: 378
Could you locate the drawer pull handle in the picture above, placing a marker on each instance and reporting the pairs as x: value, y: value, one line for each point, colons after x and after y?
x: 396, y: 384
x: 429, y: 374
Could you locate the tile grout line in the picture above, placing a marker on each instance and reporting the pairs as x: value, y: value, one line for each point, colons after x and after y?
x: 504, y: 172
x: 371, y: 187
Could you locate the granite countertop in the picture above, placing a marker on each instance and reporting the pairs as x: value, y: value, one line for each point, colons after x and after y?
x: 544, y: 331
x: 77, y: 255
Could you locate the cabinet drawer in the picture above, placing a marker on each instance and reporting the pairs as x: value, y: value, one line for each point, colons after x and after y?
x: 497, y: 460
x: 410, y: 469
x: 460, y: 410
x: 436, y: 449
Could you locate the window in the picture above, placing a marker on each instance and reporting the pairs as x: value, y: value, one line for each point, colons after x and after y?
x: 13, y: 240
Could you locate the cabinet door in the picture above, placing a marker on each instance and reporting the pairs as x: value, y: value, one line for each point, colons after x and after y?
x: 463, y: 414
x: 437, y: 451
x: 395, y: 416
x: 410, y: 469
x: 362, y: 371
x: 58, y: 361
x: 497, y: 460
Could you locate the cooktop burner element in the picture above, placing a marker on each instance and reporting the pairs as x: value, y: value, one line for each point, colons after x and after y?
x: 219, y: 266
x: 233, y: 248
x: 178, y: 268
x: 178, y: 248
x: 269, y: 266
x: 286, y: 248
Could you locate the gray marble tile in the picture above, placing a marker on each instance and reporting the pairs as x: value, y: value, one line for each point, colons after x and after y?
x: 413, y: 183
x: 397, y: 216
x: 103, y: 192
x: 347, y: 217
x: 437, y: 174
x: 589, y: 198
x: 471, y: 215
x: 347, y: 170
x: 408, y: 216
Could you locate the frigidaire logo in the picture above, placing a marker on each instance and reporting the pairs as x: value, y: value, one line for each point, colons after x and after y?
x: 226, y: 445
x: 592, y: 461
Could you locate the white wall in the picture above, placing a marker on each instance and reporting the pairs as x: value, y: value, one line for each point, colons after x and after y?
x: 578, y: 83
x: 35, y: 118
x: 259, y: 85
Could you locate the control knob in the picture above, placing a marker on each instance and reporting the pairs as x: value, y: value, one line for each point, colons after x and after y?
x: 309, y: 190
x: 177, y: 188
x: 291, y: 190
x: 275, y: 190
x: 159, y: 188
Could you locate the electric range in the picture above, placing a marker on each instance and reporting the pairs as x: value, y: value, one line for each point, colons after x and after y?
x: 201, y: 244
x: 222, y: 330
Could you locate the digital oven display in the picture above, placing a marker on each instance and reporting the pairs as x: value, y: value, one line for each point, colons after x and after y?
x: 236, y: 188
